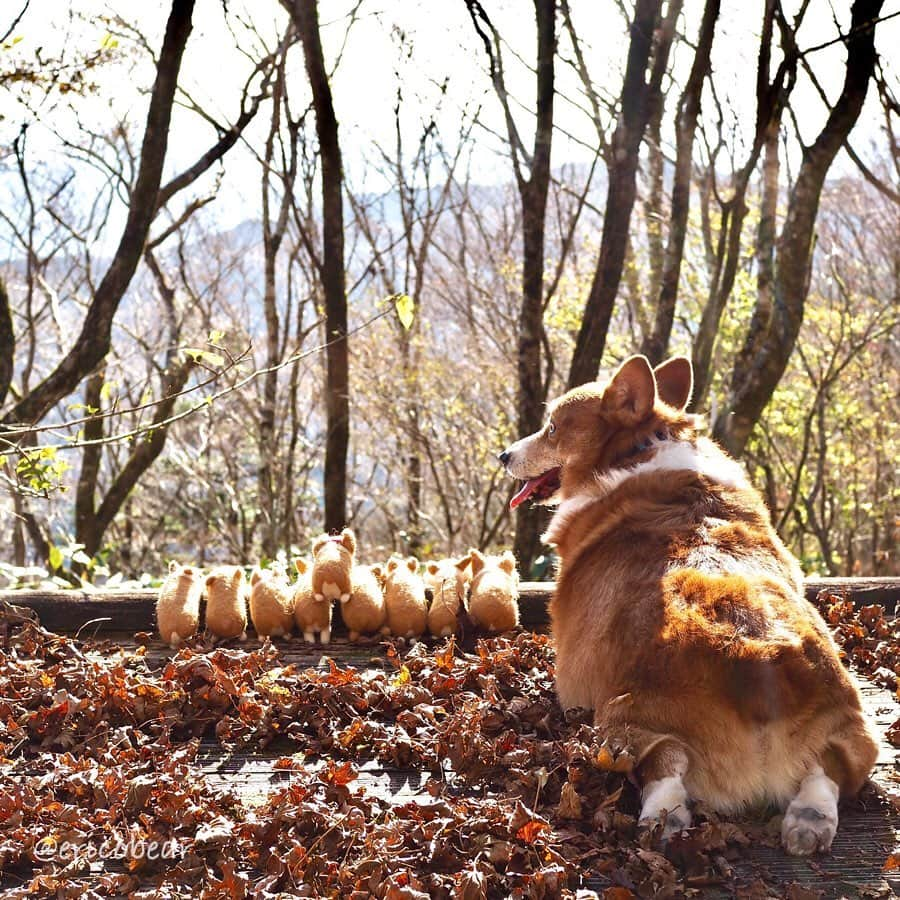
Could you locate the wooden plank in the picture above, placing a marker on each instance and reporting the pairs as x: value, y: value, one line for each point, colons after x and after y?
x: 102, y: 610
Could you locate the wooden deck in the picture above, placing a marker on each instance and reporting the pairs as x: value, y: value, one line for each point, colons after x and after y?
x: 869, y: 830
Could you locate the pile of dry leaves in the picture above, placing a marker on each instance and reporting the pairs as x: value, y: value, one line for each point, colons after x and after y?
x: 101, y: 751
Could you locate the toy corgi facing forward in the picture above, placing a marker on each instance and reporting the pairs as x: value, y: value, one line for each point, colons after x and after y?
x: 333, y: 558
x: 312, y: 614
x: 178, y: 605
x: 679, y: 616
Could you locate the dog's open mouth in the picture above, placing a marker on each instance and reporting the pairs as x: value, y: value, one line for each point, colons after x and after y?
x: 536, y: 489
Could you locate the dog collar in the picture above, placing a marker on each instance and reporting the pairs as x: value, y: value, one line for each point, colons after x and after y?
x: 647, y: 443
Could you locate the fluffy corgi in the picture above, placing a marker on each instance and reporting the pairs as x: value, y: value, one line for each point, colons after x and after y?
x: 178, y: 605
x: 271, y: 604
x: 449, y: 581
x: 679, y: 615
x: 312, y: 614
x: 363, y: 612
x: 333, y: 557
x: 226, y: 602
x: 494, y: 592
x: 404, y: 598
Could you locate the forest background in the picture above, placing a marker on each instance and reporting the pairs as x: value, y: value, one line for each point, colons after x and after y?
x: 272, y: 268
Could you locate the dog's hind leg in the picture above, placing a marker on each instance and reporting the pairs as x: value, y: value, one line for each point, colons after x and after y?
x: 661, y: 770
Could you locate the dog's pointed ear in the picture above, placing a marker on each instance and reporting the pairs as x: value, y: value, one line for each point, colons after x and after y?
x: 412, y: 564
x: 301, y: 565
x: 675, y: 382
x: 256, y: 576
x: 377, y: 571
x: 392, y: 564
x: 431, y: 568
x: 508, y: 562
x: 463, y: 562
x: 477, y: 561
x: 632, y: 391
x: 348, y: 539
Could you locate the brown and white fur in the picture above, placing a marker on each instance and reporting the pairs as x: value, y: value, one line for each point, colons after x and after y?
x: 312, y: 612
x: 449, y: 580
x: 178, y: 605
x: 226, y: 602
x: 364, y: 612
x: 679, y: 616
x: 271, y: 604
x: 494, y: 592
x: 333, y: 558
x: 404, y: 598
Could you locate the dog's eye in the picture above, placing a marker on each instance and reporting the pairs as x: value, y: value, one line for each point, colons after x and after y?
x: 551, y: 428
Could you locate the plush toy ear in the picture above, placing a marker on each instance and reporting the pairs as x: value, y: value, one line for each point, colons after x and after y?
x: 477, y: 561
x: 508, y: 562
x: 237, y: 575
x: 210, y: 580
x: 301, y: 566
x: 348, y: 539
x: 432, y: 568
x: 632, y: 391
x: 319, y: 543
x: 377, y: 571
x: 412, y: 564
x: 256, y: 576
x: 393, y: 562
x: 675, y: 381
x: 463, y: 562
x: 173, y: 566
x: 187, y: 570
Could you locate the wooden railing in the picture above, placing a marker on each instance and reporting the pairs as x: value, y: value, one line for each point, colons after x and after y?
x: 108, y: 610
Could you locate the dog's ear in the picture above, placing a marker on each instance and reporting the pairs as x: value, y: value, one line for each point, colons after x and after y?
x: 508, y: 562
x: 256, y: 576
x: 477, y: 561
x: 632, y: 391
x: 211, y: 580
x: 392, y: 564
x: 463, y: 562
x: 348, y: 539
x: 432, y: 568
x: 319, y: 543
x: 237, y: 576
x: 377, y: 571
x: 412, y: 564
x: 675, y: 382
x: 301, y: 566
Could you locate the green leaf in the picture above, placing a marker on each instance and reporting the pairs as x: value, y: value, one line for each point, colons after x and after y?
x: 55, y: 557
x: 216, y: 336
x: 406, y: 310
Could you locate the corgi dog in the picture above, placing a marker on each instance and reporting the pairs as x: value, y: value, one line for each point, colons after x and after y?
x: 364, y: 612
x: 404, y: 598
x: 226, y: 602
x: 312, y: 612
x: 271, y: 603
x: 178, y: 605
x: 333, y: 558
x: 679, y: 616
x: 449, y: 582
x: 494, y: 592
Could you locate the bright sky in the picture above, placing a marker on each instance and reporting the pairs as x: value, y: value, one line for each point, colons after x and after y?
x: 422, y: 44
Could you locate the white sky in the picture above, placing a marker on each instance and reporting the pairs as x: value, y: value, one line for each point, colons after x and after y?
x: 441, y: 44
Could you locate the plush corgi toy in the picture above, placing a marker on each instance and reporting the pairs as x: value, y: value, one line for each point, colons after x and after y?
x: 333, y: 557
x: 178, y: 605
x: 404, y: 598
x: 449, y: 582
x: 271, y: 603
x: 312, y: 612
x: 363, y: 612
x: 226, y: 602
x: 494, y: 592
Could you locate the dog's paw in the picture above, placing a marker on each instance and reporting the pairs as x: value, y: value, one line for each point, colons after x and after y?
x: 666, y: 802
x: 807, y: 830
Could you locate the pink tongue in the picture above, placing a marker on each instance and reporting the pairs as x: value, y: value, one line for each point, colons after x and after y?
x: 529, y: 488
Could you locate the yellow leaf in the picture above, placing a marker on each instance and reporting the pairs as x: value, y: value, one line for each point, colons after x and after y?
x: 406, y: 310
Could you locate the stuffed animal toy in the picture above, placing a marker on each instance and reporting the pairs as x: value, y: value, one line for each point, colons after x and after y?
x: 333, y: 557
x: 226, y: 602
x: 404, y: 598
x: 494, y: 592
x: 271, y: 603
x: 363, y: 612
x: 178, y: 605
x: 312, y: 614
x: 449, y: 582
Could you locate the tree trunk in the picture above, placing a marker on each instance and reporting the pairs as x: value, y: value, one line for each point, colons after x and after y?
x: 337, y: 384
x: 639, y: 100
x: 93, y: 343
x: 755, y: 379
x: 656, y: 345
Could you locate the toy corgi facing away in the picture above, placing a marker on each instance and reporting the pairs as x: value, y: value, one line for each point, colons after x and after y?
x: 312, y: 612
x: 449, y: 580
x: 404, y: 598
x: 226, y: 602
x: 494, y: 592
x: 178, y: 605
x: 271, y: 604
x: 333, y: 557
x: 363, y: 612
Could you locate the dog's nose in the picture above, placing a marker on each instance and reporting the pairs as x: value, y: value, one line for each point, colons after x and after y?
x: 504, y: 456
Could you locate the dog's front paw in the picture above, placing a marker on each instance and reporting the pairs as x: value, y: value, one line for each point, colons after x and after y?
x: 807, y: 830
x: 666, y: 802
